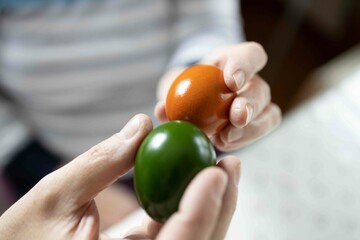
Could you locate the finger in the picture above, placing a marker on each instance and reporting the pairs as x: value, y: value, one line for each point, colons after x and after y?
x: 259, y: 127
x: 152, y: 228
x: 243, y: 63
x: 160, y: 111
x: 231, y: 165
x: 250, y: 102
x: 239, y: 63
x: 137, y: 233
x: 94, y: 170
x: 199, y: 208
x: 148, y: 230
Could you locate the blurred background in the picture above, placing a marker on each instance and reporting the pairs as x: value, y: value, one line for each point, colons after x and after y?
x: 301, y: 181
x: 300, y: 36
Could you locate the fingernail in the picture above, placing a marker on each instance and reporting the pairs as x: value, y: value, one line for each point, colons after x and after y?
x: 131, y: 128
x: 249, y: 113
x: 239, y: 77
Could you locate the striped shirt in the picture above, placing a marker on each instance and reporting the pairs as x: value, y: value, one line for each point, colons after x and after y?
x: 77, y: 70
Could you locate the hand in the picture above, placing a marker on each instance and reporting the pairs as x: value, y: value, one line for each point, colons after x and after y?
x: 62, y: 206
x: 107, y: 203
x: 252, y: 114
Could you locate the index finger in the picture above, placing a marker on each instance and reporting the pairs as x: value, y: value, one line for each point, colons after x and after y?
x: 239, y: 62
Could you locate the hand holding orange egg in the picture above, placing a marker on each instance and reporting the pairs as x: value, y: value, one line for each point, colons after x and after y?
x: 227, y: 99
x: 199, y: 95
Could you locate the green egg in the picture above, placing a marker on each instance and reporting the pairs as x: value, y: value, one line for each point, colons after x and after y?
x: 166, y: 162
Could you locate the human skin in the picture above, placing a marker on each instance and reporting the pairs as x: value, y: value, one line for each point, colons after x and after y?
x: 62, y: 206
x: 252, y: 115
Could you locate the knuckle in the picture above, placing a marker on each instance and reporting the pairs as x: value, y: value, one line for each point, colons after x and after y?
x: 221, y: 144
x: 99, y: 153
x: 46, y: 182
x: 96, y: 157
x: 224, y: 147
x: 44, y: 190
x: 266, y: 89
x: 258, y: 48
x: 262, y: 83
x: 263, y: 87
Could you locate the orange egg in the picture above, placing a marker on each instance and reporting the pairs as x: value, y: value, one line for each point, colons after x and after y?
x: 199, y: 95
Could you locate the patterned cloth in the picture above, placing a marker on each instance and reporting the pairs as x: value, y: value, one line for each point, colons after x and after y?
x: 73, y: 72
x: 79, y: 69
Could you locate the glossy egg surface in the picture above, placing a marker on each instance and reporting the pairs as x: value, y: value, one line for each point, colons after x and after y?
x: 200, y: 95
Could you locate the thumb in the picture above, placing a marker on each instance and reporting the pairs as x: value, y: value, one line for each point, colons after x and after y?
x: 87, y: 175
x: 200, y: 207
